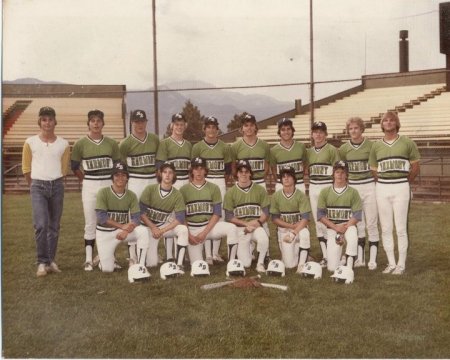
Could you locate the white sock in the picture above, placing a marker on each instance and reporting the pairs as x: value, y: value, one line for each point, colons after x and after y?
x: 216, y: 246
x: 373, y: 251
x: 168, y: 242
x: 208, y: 252
x: 132, y: 252
x: 303, y: 256
x: 89, y: 250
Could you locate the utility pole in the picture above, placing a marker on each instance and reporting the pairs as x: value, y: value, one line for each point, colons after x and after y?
x: 311, y: 62
x: 155, y: 70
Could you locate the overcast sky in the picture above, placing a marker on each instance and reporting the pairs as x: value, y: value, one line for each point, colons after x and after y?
x: 225, y: 43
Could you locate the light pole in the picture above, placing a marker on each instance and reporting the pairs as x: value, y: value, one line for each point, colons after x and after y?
x: 155, y: 70
x: 311, y: 62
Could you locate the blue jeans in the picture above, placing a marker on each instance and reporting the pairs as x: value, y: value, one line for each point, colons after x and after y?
x: 47, y: 203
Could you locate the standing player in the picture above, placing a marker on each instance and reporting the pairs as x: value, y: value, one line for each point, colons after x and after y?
x: 95, y: 154
x: 118, y: 216
x: 203, y: 212
x: 395, y: 162
x: 157, y: 203
x: 218, y: 161
x: 247, y: 206
x: 321, y: 158
x: 356, y: 153
x: 339, y: 208
x: 138, y: 150
x: 176, y: 150
x: 45, y: 160
x: 288, y: 153
x: 252, y: 149
x: 291, y: 211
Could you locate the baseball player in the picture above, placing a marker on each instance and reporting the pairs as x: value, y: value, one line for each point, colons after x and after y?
x: 356, y: 153
x: 339, y: 208
x: 288, y: 153
x: 218, y: 161
x: 203, y: 211
x: 157, y: 203
x: 177, y: 150
x: 92, y: 162
x: 291, y: 211
x: 395, y: 162
x: 246, y: 205
x: 118, y: 219
x: 321, y: 158
x: 45, y: 160
x: 252, y: 149
x: 138, y: 150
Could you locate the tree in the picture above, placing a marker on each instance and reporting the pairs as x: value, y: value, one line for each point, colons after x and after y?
x: 194, y: 130
x: 236, y: 122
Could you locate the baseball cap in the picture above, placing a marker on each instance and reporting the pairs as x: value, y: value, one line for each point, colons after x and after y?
x: 248, y: 118
x: 167, y: 164
x: 47, y: 111
x: 178, y: 117
x: 319, y: 125
x: 243, y: 163
x: 198, y: 161
x: 138, y: 115
x: 211, y: 120
x: 120, y: 167
x: 284, y: 121
x: 340, y: 165
x: 287, y: 170
x: 96, y: 112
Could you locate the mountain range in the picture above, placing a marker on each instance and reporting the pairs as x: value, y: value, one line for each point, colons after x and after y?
x: 223, y: 104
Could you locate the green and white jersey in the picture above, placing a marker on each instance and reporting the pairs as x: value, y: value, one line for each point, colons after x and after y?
x: 159, y: 208
x: 140, y: 156
x: 200, y: 201
x: 96, y: 158
x: 246, y: 204
x: 290, y: 208
x: 321, y: 161
x: 216, y: 156
x: 179, y: 154
x: 357, y: 157
x: 256, y: 155
x: 339, y: 206
x: 294, y: 156
x: 392, y: 161
x: 118, y: 207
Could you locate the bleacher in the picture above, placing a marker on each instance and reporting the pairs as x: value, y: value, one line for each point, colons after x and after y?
x: 424, y: 112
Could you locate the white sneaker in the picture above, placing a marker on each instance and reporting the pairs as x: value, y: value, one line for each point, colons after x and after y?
x: 372, y: 265
x: 116, y: 265
x: 323, y: 263
x: 52, y: 268
x: 209, y: 260
x: 260, y: 268
x: 218, y: 258
x: 88, y: 266
x: 96, y: 261
x: 389, y: 269
x: 359, y: 263
x: 41, y: 271
x: 399, y: 270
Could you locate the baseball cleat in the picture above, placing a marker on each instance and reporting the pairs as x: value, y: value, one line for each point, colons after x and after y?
x: 372, y: 266
x: 359, y: 263
x: 218, y: 258
x: 389, y: 269
x: 52, y: 268
x: 260, y: 268
x: 300, y: 268
x: 209, y: 260
x: 323, y: 263
x: 88, y: 266
x: 116, y: 265
x: 181, y: 269
x: 399, y: 270
x: 96, y: 261
x: 41, y: 270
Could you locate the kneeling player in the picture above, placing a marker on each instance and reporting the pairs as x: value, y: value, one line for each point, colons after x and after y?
x: 291, y: 212
x: 118, y: 216
x: 339, y: 208
x: 203, y: 211
x: 246, y: 205
x: 157, y: 203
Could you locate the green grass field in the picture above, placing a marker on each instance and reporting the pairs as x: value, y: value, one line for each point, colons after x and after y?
x: 93, y: 315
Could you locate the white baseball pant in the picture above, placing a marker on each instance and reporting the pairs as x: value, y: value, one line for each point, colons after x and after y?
x: 367, y: 193
x: 137, y: 185
x: 393, y: 201
x: 220, y: 230
x: 244, y: 253
x: 290, y: 251
x: 335, y: 250
x: 107, y: 244
x: 89, y: 199
x: 180, y: 231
